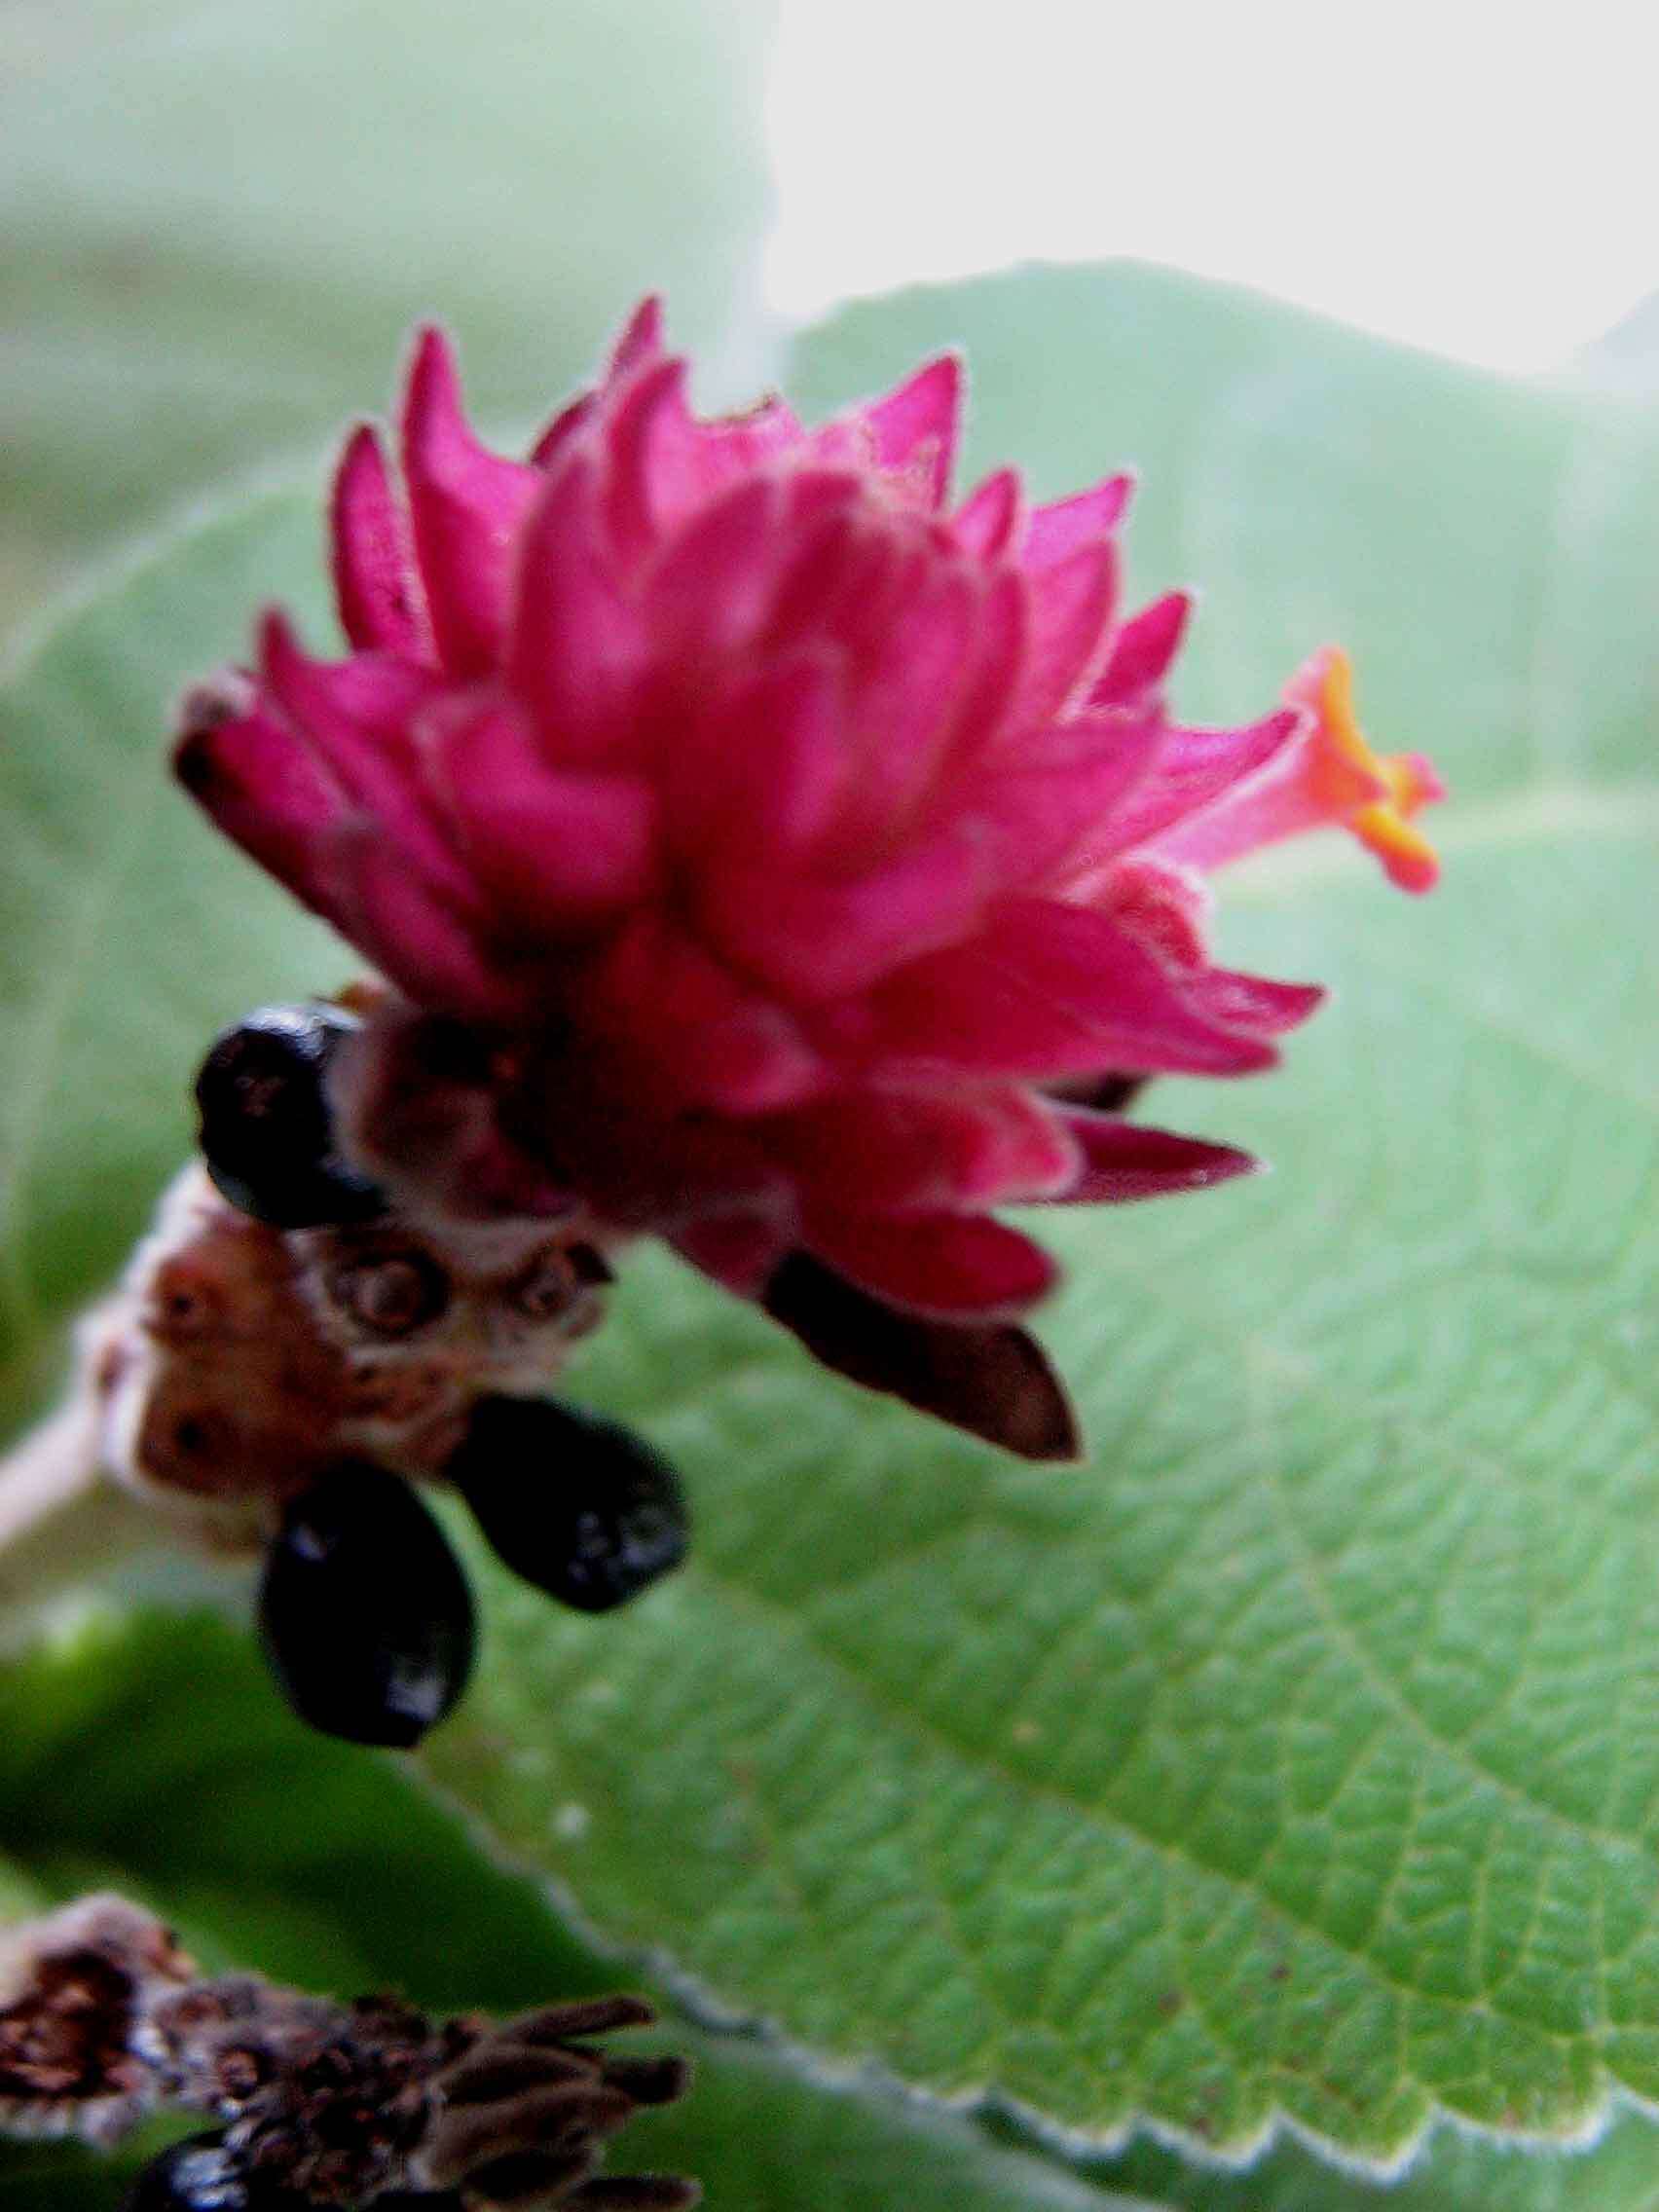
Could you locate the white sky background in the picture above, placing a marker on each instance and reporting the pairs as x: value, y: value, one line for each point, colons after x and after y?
x: 1480, y: 179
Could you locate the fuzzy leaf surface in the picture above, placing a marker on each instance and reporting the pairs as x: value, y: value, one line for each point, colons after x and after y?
x: 150, y: 1757
x: 278, y: 1852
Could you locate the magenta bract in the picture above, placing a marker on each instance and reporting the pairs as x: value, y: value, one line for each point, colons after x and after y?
x: 825, y: 839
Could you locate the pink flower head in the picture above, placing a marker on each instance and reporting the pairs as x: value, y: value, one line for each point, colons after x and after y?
x: 817, y: 841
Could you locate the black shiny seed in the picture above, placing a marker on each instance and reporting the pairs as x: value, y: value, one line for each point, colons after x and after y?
x: 365, y: 1613
x: 577, y: 1505
x: 266, y: 1131
x: 199, y: 2175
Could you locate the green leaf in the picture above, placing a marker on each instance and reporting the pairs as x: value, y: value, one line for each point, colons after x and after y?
x: 225, y: 219
x: 126, y: 937
x: 152, y: 1757
x: 1456, y: 2173
x: 1295, y: 1758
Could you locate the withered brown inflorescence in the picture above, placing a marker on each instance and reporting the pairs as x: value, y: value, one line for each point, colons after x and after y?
x: 104, y: 2020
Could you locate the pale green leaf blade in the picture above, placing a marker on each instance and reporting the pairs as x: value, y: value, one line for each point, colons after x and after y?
x: 278, y: 1850
x: 1458, y: 2172
x: 223, y: 220
x: 127, y: 937
x: 151, y: 1759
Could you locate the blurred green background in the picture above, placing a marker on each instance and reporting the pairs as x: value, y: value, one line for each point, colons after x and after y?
x: 222, y: 218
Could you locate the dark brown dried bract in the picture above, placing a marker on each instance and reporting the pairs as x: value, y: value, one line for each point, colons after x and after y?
x: 74, y: 1988
x: 67, y: 2036
x: 523, y: 2115
x: 991, y: 1378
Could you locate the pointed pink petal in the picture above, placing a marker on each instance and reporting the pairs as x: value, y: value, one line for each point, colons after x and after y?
x: 755, y: 1060
x: 1162, y: 906
x: 731, y: 446
x: 1165, y: 909
x: 641, y: 343
x: 409, y: 929
x: 916, y: 427
x: 564, y: 426
x: 892, y: 1152
x: 740, y: 1251
x: 904, y: 699
x: 465, y: 503
x: 1189, y: 791
x: 260, y: 785
x: 1046, y: 991
x: 909, y: 435
x: 579, y: 646
x: 940, y: 1264
x: 713, y: 586
x: 838, y: 575
x: 666, y: 463
x: 375, y: 583
x: 1254, y: 1004
x: 356, y: 716
x: 820, y: 939
x: 992, y: 683
x: 991, y: 520
x: 562, y: 849
x: 1071, y: 608
x: 713, y: 1041
x: 1059, y: 528
x: 1142, y: 654
x: 1048, y: 817
x: 1285, y: 797
x: 650, y: 420
x: 1122, y: 1161
x: 763, y: 766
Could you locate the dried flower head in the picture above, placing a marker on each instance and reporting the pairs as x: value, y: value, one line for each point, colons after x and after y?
x: 73, y: 1989
x: 104, y: 2020
x: 799, y: 848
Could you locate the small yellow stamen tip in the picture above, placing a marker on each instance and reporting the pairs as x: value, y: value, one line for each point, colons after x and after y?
x: 1407, y: 856
x: 1408, y: 782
